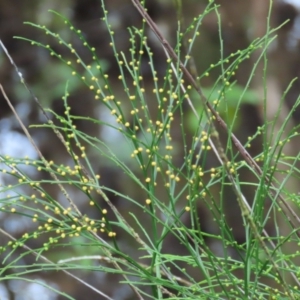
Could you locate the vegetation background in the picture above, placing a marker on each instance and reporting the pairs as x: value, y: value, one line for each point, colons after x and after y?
x: 242, y: 22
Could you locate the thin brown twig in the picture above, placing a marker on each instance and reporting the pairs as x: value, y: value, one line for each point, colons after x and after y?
x: 241, y: 149
x: 61, y: 138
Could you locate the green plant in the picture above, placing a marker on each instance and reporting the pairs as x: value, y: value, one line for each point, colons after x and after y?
x: 171, y: 177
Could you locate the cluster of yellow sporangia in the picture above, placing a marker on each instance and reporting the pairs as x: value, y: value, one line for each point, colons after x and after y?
x: 52, y: 221
x: 60, y: 228
x: 63, y: 229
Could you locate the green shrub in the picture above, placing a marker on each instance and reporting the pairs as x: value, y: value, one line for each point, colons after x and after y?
x: 154, y: 241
